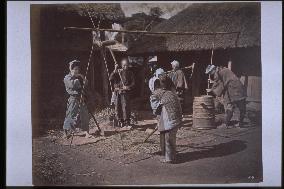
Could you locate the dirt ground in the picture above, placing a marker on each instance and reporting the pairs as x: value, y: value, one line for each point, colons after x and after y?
x: 204, y: 156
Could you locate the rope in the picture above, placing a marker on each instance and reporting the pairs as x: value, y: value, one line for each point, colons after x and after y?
x: 105, y: 62
x: 83, y: 88
x: 85, y: 78
x: 103, y: 55
x: 89, y: 16
x: 115, y: 62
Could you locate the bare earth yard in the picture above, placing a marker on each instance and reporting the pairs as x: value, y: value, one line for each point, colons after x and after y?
x: 205, y: 156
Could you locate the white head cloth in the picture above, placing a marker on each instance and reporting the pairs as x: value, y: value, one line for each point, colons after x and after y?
x: 158, y: 72
x: 175, y: 63
x: 154, y: 59
x: 71, y: 63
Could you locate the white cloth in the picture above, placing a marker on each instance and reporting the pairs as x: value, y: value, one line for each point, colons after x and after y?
x: 158, y: 72
x: 175, y: 63
x: 151, y: 83
x: 154, y: 59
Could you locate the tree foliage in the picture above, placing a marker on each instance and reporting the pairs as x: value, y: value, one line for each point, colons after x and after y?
x: 156, y: 12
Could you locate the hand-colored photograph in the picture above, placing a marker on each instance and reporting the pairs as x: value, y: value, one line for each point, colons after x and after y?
x: 146, y: 93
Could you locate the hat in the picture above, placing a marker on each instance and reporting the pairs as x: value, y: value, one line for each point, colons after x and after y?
x: 154, y: 59
x: 210, y: 68
x: 73, y: 63
x: 176, y: 63
x: 159, y: 71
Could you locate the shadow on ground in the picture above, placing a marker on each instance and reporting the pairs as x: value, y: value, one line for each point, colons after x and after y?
x: 145, y: 127
x: 218, y: 150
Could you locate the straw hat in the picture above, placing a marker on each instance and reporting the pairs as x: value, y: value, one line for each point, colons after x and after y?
x: 210, y: 68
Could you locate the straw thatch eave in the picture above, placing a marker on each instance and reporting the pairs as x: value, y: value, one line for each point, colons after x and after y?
x: 110, y: 12
x: 54, y: 17
x: 202, y: 18
x: 103, y: 11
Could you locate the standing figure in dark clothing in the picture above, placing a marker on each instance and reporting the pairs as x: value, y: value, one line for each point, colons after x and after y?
x: 179, y: 81
x: 226, y: 83
x: 123, y: 81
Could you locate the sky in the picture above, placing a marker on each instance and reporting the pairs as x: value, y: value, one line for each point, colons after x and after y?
x: 169, y: 9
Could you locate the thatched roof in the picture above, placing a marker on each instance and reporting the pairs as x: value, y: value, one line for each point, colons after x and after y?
x: 54, y: 17
x: 103, y: 11
x: 202, y: 18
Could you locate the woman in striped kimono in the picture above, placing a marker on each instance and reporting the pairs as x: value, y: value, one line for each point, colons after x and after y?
x: 76, y: 115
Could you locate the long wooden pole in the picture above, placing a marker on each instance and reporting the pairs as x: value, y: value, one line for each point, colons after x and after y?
x: 211, y: 62
x: 148, y: 32
x: 148, y: 136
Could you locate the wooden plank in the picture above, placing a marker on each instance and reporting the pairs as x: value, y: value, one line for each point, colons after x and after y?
x: 254, y: 88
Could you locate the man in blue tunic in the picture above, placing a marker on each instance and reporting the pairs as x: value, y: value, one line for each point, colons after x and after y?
x: 228, y: 85
x: 165, y: 103
x: 76, y: 115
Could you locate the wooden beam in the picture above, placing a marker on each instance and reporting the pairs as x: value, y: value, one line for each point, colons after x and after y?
x: 149, y: 32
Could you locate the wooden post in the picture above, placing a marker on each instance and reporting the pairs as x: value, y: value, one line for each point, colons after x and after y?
x: 142, y: 87
x: 104, y: 74
x: 122, y: 38
x: 196, y: 80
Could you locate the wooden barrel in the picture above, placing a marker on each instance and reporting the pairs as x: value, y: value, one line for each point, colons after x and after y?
x: 203, y: 112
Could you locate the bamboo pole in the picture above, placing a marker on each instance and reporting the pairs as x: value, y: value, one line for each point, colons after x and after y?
x: 211, y: 62
x: 149, y: 32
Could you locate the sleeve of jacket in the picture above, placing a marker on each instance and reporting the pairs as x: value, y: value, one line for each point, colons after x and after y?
x: 72, y: 85
x: 218, y: 88
x: 151, y: 84
x: 155, y: 103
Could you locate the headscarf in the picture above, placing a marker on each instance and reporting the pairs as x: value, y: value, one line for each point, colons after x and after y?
x: 73, y: 63
x: 175, y: 63
x: 158, y: 72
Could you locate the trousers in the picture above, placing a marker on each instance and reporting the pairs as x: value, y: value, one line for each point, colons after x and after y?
x: 168, y: 144
x: 122, y: 107
x: 71, y: 113
x: 230, y: 109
